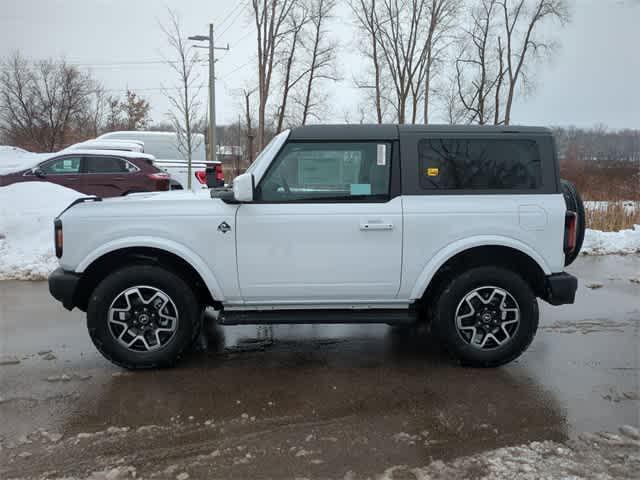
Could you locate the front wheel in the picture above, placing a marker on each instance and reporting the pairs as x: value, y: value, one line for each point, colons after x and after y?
x: 143, y: 316
x: 487, y: 316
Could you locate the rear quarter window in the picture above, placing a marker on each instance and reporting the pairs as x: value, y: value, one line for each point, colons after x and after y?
x: 479, y: 164
x: 106, y: 165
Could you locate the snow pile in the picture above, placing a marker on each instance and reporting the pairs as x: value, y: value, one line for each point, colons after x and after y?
x: 601, y: 456
x: 15, y: 160
x: 27, y: 211
x: 9, y: 150
x: 597, y: 242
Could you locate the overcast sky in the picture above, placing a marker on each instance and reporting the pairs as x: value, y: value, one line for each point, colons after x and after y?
x: 594, y: 77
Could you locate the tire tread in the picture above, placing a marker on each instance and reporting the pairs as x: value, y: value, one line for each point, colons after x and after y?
x: 122, y: 275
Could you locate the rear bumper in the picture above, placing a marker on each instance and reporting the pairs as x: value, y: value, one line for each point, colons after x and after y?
x: 560, y: 288
x: 63, y: 285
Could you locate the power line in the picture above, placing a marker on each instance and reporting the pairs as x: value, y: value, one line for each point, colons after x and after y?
x: 235, y: 70
x: 150, y: 88
x: 249, y: 32
x: 240, y: 10
x: 117, y: 64
x: 240, y: 5
x: 123, y: 62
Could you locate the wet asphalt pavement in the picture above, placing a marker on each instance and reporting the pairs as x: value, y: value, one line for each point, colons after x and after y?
x: 309, y: 401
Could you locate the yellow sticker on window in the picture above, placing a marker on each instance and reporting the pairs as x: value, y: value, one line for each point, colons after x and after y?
x: 433, y: 172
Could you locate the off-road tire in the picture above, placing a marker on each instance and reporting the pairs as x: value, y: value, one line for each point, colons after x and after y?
x: 574, y: 203
x: 444, y: 311
x: 189, y: 320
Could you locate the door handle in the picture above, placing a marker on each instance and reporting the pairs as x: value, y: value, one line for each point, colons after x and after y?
x: 376, y: 226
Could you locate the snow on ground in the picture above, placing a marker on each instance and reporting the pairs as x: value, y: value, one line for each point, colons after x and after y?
x: 601, y: 243
x: 629, y: 205
x: 27, y: 211
x: 9, y: 150
x: 15, y: 160
x: 589, y: 456
x: 601, y: 456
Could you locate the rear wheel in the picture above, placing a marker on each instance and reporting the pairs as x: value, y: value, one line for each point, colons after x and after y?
x: 486, y: 316
x: 143, y: 316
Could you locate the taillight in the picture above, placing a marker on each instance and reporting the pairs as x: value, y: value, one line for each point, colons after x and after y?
x: 570, y: 231
x: 159, y: 176
x: 219, y: 173
x: 201, y: 175
x: 57, y: 236
x: 161, y: 179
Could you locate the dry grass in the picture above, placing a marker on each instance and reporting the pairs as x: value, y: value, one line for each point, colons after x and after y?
x: 614, y: 186
x: 613, y: 216
x: 605, y: 181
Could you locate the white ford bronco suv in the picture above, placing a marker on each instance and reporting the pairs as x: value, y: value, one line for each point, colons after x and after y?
x: 461, y: 227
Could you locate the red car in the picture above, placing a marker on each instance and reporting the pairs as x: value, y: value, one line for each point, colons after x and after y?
x: 100, y: 173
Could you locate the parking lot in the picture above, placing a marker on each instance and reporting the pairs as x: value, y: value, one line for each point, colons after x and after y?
x: 309, y: 401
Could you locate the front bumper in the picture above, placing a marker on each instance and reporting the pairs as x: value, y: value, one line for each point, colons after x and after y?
x: 63, y: 285
x: 560, y: 288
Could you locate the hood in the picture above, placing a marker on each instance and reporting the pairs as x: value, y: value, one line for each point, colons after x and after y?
x: 151, y: 204
x: 171, y: 195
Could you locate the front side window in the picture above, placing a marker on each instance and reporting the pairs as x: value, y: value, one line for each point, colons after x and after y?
x: 106, y: 165
x: 328, y: 171
x: 62, y: 166
x: 479, y: 164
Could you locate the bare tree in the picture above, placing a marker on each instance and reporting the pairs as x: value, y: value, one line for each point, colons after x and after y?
x: 184, y: 100
x: 113, y: 113
x: 295, y: 23
x: 454, y: 112
x: 96, y: 118
x: 442, y: 15
x: 270, y: 20
x: 42, y: 103
x: 497, y: 53
x: 128, y: 113
x: 136, y: 111
x: 407, y: 38
x: 365, y: 14
x: 322, y: 54
x: 521, y: 18
x: 92, y: 122
x: 400, y: 24
x: 476, y: 75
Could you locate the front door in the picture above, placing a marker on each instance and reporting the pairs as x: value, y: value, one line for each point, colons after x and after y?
x: 323, y: 228
x: 65, y: 171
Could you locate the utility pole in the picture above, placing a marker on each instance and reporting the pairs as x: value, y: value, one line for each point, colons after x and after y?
x: 212, y: 97
x: 211, y: 153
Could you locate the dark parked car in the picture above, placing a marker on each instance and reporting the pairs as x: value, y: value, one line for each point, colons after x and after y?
x: 101, y: 173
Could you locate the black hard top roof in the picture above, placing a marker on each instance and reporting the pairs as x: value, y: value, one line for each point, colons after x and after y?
x: 392, y: 132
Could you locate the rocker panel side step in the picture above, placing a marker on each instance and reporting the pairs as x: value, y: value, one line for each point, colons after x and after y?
x: 271, y: 317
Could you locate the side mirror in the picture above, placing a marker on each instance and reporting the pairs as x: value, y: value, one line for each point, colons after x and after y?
x: 37, y: 171
x: 243, y: 187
